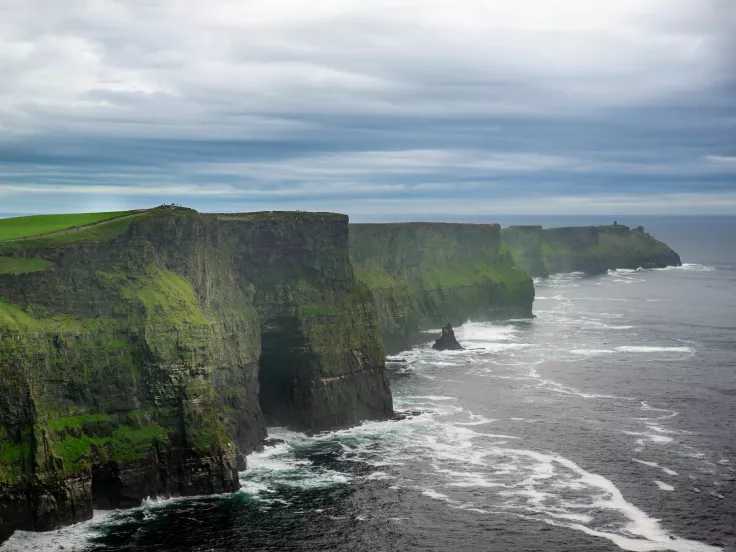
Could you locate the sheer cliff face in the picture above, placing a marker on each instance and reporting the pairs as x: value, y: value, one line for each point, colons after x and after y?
x: 130, y: 366
x: 322, y: 356
x: 525, y: 244
x: 424, y: 275
x: 590, y: 249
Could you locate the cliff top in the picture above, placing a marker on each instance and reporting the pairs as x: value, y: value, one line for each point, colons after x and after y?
x: 424, y: 224
x: 43, y: 232
x: 280, y: 215
x: 39, y: 225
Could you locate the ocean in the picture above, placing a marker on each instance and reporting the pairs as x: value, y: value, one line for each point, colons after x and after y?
x: 606, y: 423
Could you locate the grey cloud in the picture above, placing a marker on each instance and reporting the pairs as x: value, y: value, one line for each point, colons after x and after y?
x: 402, y: 100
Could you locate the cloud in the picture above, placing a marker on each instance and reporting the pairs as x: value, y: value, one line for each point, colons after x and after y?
x: 351, y: 99
x: 722, y: 161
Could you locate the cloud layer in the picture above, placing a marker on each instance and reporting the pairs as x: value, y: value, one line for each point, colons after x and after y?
x: 370, y: 108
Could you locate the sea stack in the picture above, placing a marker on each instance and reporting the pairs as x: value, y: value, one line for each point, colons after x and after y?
x: 447, y: 341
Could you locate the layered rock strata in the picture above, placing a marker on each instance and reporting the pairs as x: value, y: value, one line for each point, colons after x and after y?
x: 423, y: 275
x: 589, y: 249
x: 130, y: 364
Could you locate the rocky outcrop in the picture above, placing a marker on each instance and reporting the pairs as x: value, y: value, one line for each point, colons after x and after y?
x: 130, y: 363
x: 589, y: 249
x: 424, y: 274
x: 447, y: 341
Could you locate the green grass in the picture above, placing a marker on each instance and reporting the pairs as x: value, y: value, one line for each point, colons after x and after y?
x: 11, y: 452
x: 126, y: 443
x: 375, y: 277
x: 41, y: 244
x: 21, y: 227
x: 134, y: 444
x: 471, y: 274
x: 608, y: 244
x: 17, y: 321
x: 549, y: 251
x: 20, y: 265
x: 166, y: 296
x: 14, y: 320
x: 72, y: 450
x: 11, y: 457
x: 77, y: 421
x: 317, y: 311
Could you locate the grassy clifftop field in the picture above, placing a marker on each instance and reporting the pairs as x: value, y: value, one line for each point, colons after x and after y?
x: 25, y: 240
x: 22, y: 227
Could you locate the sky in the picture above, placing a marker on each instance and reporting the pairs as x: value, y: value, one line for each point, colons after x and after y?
x: 381, y: 109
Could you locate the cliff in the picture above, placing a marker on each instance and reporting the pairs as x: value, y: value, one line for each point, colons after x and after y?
x: 525, y: 245
x: 424, y: 275
x: 590, y: 249
x: 131, y: 354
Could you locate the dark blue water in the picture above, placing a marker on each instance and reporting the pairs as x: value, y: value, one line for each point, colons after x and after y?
x: 606, y: 423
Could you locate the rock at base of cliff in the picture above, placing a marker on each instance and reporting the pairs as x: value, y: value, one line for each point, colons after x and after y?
x: 447, y: 341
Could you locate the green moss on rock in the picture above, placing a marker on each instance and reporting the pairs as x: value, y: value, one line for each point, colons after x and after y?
x: 20, y: 265
x: 423, y: 275
x: 130, y: 367
x: 590, y: 249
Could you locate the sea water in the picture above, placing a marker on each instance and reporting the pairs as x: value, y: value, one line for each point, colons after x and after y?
x: 608, y: 422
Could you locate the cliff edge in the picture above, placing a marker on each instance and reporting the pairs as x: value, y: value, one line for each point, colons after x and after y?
x: 589, y: 249
x: 132, y: 352
x: 423, y: 275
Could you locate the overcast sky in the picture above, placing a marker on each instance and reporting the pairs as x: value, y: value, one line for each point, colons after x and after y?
x: 379, y: 109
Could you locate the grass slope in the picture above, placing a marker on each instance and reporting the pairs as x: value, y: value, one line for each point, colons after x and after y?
x: 39, y: 245
x: 19, y: 265
x: 21, y: 227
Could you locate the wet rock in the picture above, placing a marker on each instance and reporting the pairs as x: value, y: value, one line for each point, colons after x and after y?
x: 447, y: 341
x: 404, y: 414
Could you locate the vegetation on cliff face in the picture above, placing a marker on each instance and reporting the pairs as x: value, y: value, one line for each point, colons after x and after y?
x: 591, y: 249
x: 10, y: 265
x: 98, y: 374
x: 131, y: 351
x: 322, y: 359
x: 525, y: 245
x: 424, y: 275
